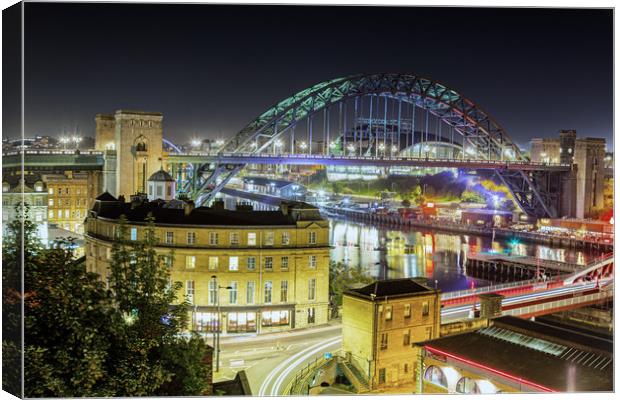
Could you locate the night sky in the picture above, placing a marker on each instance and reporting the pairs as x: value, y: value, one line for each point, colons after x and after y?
x: 211, y: 69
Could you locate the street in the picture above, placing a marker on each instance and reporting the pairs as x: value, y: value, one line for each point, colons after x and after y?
x: 272, y: 360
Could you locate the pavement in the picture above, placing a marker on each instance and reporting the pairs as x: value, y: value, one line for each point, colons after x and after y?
x: 272, y: 360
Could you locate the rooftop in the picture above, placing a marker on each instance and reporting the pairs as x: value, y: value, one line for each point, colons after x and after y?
x: 548, y: 356
x: 390, y: 288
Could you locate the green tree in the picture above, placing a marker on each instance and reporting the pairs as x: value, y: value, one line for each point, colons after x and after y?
x: 342, y: 277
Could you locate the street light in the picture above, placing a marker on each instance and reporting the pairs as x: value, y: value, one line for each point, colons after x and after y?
x: 76, y: 140
x: 303, y: 145
x: 216, y: 332
x: 195, y: 142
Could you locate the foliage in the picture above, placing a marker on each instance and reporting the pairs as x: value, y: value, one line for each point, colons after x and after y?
x: 83, y: 339
x: 406, y: 203
x: 470, y: 196
x: 342, y: 277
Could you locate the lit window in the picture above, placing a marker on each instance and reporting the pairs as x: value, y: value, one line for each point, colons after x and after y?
x: 312, y: 289
x: 407, y: 312
x: 189, y: 291
x: 252, y: 239
x: 190, y: 262
x: 134, y: 234
x: 388, y: 313
x: 312, y: 237
x: 169, y: 237
x: 51, y: 191
x: 251, y: 263
x: 212, y: 292
x: 284, y: 263
x: 191, y: 237
x: 51, y: 202
x: 232, y: 293
x: 234, y: 239
x: 51, y: 214
x: 213, y: 238
x: 268, y: 263
x: 312, y: 261
x: 286, y: 238
x: 250, y: 293
x: 425, y: 309
x: 268, y: 288
x: 283, y: 291
x: 269, y: 239
x: 213, y: 262
x: 275, y: 318
x: 233, y: 263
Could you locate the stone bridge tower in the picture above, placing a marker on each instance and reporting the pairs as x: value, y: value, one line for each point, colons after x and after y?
x: 132, y: 142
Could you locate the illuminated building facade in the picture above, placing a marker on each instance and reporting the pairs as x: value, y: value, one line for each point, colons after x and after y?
x: 255, y: 271
x: 381, y: 321
x: 31, y: 190
x: 68, y: 200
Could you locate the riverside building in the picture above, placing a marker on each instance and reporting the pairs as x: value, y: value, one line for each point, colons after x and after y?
x: 244, y: 270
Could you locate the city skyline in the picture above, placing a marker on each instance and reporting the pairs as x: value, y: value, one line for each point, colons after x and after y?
x: 208, y: 95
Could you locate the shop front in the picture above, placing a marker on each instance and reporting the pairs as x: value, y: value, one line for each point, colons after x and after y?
x: 239, y: 320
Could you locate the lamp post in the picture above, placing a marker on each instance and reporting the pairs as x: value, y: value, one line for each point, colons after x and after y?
x: 216, y: 332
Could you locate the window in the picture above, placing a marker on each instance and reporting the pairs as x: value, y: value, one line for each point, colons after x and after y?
x: 206, y: 321
x: 381, y: 375
x: 191, y: 237
x: 108, y: 253
x: 212, y: 292
x: 249, y: 298
x: 51, y: 214
x: 436, y: 376
x: 388, y: 313
x: 67, y: 213
x: 234, y: 239
x: 213, y: 238
x: 252, y: 239
x: 51, y: 202
x: 269, y: 239
x: 268, y: 288
x: 214, y: 262
x: 284, y: 263
x: 406, y: 338
x: 274, y: 318
x: 312, y: 289
x: 312, y: 238
x: 467, y: 385
x: 67, y: 191
x: 232, y: 293
x: 233, y: 263
x: 251, y: 263
x: 79, y: 191
x: 189, y: 291
x: 51, y: 191
x: 158, y: 191
x: 407, y: 312
x: 268, y: 263
x: 169, y: 237
x: 284, y: 291
x: 425, y: 309
x: 311, y: 315
x: 134, y: 233
x: 168, y: 261
x: 286, y: 238
x: 241, y: 322
x: 312, y: 261
x: 190, y: 262
x: 384, y: 341
x: 406, y: 368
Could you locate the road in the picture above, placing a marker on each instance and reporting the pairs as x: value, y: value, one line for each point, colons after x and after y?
x: 271, y: 361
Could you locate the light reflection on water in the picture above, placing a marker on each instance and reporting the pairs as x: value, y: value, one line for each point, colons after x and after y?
x: 385, y: 253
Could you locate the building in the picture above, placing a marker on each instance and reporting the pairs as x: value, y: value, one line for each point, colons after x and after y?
x: 30, y: 189
x: 486, y: 217
x: 517, y: 355
x: 133, y: 146
x: 274, y: 187
x: 256, y: 271
x: 381, y: 321
x: 589, y: 155
x: 69, y: 199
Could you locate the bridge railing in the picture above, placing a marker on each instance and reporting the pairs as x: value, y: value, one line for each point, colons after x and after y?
x: 487, y: 289
x: 551, y: 305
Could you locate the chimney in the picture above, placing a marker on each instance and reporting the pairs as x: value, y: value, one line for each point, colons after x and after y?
x: 189, y: 207
x: 218, y: 204
x: 121, y: 199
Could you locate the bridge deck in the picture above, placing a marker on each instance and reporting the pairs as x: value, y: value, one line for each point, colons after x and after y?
x: 526, y: 261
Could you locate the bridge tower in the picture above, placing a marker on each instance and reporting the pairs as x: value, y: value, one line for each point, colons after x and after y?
x: 132, y: 142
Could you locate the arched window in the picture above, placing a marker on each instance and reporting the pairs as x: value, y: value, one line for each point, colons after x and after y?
x: 140, y: 146
x: 467, y: 385
x: 435, y: 375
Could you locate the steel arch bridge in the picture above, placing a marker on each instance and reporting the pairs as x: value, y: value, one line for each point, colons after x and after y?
x: 481, y: 137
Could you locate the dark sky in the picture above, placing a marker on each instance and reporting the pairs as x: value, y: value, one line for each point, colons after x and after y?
x: 211, y: 69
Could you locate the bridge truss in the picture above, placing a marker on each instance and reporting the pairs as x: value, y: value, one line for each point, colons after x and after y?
x: 376, y: 115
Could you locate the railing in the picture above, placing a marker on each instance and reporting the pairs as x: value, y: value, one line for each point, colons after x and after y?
x: 485, y: 289
x: 300, y: 383
x: 62, y: 152
x: 604, y: 293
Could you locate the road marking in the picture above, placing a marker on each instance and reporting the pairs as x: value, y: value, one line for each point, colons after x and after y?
x: 263, y: 388
x: 276, y: 387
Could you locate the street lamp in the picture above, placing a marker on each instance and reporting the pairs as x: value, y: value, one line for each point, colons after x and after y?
x: 394, y: 149
x: 382, y: 148
x: 303, y: 145
x: 351, y: 149
x: 76, y: 140
x: 195, y: 142
x: 216, y: 332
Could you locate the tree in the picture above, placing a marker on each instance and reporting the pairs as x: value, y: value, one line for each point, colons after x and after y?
x: 342, y: 277
x: 406, y: 203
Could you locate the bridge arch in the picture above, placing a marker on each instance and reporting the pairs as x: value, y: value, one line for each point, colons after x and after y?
x: 476, y: 126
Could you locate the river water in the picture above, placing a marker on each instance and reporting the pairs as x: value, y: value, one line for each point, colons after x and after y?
x: 386, y: 253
